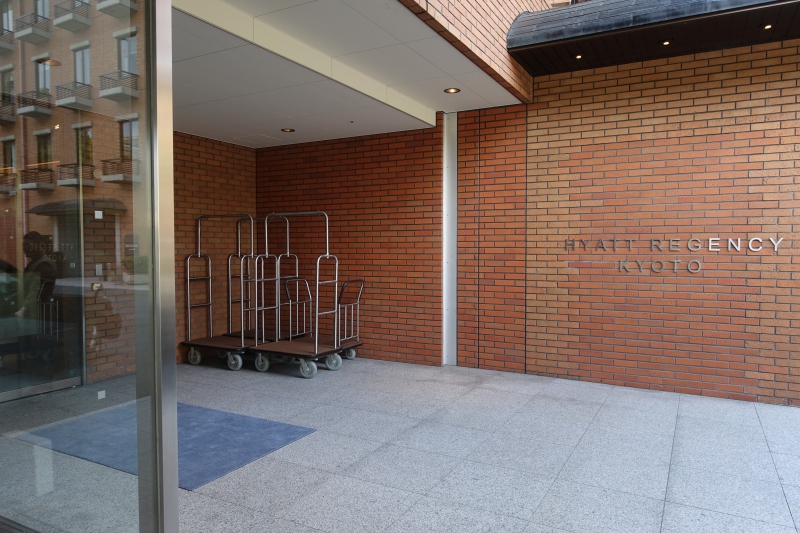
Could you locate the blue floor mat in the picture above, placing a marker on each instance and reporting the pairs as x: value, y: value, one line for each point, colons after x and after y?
x: 210, y: 443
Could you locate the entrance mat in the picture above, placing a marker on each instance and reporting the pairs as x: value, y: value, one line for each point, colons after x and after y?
x: 211, y: 443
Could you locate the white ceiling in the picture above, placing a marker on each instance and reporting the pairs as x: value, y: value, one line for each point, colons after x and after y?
x: 229, y: 89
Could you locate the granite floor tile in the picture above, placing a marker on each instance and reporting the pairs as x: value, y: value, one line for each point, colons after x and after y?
x: 788, y: 467
x: 624, y: 465
x: 581, y: 508
x: 267, y: 485
x: 708, y: 455
x: 539, y: 457
x: 758, y: 500
x: 348, y: 505
x: 431, y: 515
x: 497, y: 490
x: 326, y: 451
x: 482, y: 409
x: 781, y: 426
x: 441, y: 438
x: 517, y: 383
x: 718, y: 409
x: 658, y: 403
x: 683, y: 519
x: 746, y: 435
x: 403, y: 468
x: 792, y: 494
x: 370, y: 425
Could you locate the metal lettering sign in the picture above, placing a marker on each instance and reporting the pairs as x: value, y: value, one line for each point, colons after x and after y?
x: 694, y: 245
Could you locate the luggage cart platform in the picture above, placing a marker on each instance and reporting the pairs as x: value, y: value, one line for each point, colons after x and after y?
x: 220, y: 342
x: 302, y: 350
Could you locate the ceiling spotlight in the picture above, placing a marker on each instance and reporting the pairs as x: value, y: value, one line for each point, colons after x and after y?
x: 665, y: 43
x: 49, y: 62
x: 768, y: 27
x: 578, y: 56
x: 57, y: 126
x: 287, y: 130
x: 452, y: 90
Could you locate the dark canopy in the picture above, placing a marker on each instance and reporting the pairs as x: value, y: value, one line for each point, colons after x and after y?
x: 613, y: 32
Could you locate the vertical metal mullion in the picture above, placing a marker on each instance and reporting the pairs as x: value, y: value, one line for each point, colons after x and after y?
x: 450, y: 239
x: 164, y: 437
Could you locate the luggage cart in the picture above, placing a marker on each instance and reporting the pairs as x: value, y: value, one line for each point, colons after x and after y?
x: 226, y: 346
x: 302, y: 342
x: 350, y: 317
x: 265, y: 265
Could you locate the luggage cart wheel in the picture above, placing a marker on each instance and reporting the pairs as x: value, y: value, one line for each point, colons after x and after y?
x: 262, y: 363
x: 350, y: 353
x: 308, y: 369
x: 234, y: 361
x: 333, y: 361
x: 194, y: 356
x: 222, y: 354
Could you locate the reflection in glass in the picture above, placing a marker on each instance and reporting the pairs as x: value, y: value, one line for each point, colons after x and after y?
x: 76, y: 312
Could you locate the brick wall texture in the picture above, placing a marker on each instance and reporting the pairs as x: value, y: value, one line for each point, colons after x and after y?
x: 698, y: 147
x: 702, y: 147
x: 478, y: 28
x: 211, y: 178
x: 383, y: 195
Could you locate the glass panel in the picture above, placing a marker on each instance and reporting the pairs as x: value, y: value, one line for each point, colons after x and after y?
x: 43, y: 78
x: 82, y: 74
x: 6, y: 15
x: 76, y: 292
x: 83, y: 142
x: 127, y: 54
x: 7, y: 86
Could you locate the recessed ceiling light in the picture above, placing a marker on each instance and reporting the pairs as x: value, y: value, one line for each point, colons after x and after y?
x: 665, y: 43
x: 452, y: 90
x: 578, y: 56
x: 287, y: 130
x: 49, y: 62
x: 768, y: 27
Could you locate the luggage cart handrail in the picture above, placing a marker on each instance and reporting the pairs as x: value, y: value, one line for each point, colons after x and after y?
x: 297, y: 303
x: 317, y: 313
x: 350, y: 311
x: 241, y: 217
x: 207, y: 303
x: 307, y: 214
x: 267, y: 220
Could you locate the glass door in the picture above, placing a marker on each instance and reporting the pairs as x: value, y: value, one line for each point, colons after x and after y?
x: 80, y: 396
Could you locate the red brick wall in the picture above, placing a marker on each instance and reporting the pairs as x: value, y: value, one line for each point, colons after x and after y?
x: 699, y: 146
x: 211, y: 178
x: 478, y: 28
x: 491, y: 238
x: 383, y: 195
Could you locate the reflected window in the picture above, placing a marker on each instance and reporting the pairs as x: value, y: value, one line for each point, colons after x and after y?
x: 129, y: 139
x: 7, y: 86
x: 43, y: 77
x: 6, y: 16
x: 83, y: 143
x: 44, y: 148
x: 42, y: 8
x: 9, y: 157
x: 82, y: 66
x: 127, y: 54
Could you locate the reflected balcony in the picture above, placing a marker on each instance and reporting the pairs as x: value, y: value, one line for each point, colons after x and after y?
x: 75, y: 175
x: 6, y: 41
x: 72, y: 15
x: 34, y: 104
x: 37, y: 178
x: 32, y: 28
x: 8, y: 184
x: 119, y: 85
x: 120, y: 170
x: 7, y: 109
x: 74, y: 94
x: 118, y: 8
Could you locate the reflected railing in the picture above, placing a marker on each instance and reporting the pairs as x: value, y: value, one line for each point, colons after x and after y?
x: 72, y: 7
x: 119, y: 78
